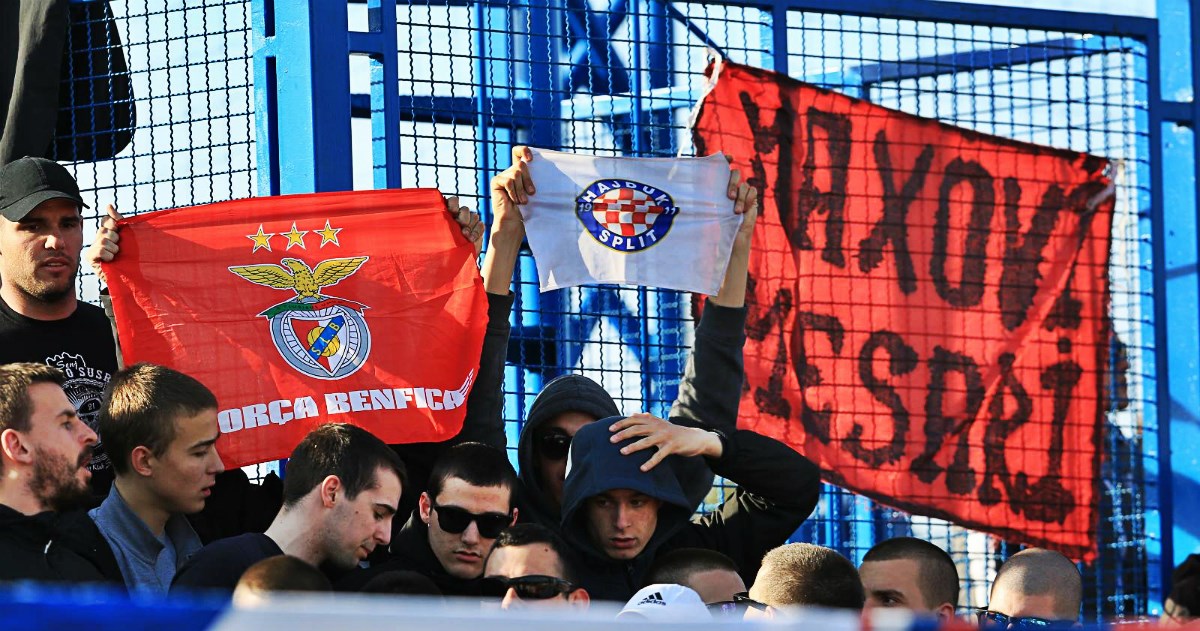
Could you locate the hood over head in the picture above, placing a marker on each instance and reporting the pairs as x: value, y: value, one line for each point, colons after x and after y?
x: 568, y: 393
x: 596, y: 465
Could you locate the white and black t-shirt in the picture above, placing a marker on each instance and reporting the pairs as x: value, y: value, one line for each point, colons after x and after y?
x: 81, y: 345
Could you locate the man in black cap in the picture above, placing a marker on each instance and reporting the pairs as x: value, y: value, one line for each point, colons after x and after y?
x: 41, y: 320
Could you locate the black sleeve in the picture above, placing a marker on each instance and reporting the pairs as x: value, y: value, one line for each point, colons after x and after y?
x: 777, y: 490
x: 484, y: 422
x: 711, y: 388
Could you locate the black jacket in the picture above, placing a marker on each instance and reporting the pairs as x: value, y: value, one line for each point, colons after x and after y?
x: 777, y: 490
x: 410, y: 551
x: 708, y: 397
x: 58, y: 547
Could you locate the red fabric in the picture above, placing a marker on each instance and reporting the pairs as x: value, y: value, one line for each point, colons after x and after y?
x: 928, y: 306
x: 417, y: 297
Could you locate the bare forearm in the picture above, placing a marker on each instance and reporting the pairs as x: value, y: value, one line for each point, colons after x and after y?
x: 733, y: 288
x: 500, y: 261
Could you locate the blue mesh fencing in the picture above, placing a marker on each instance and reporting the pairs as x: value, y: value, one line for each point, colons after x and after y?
x: 619, y: 77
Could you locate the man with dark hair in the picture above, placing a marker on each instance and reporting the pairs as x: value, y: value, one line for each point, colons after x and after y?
x: 339, y: 496
x: 278, y: 574
x: 711, y: 574
x: 466, y: 504
x: 805, y: 574
x: 621, y: 508
x: 530, y: 565
x: 709, y: 392
x: 910, y: 573
x: 41, y: 320
x: 44, y: 452
x: 161, y: 428
x: 1038, y: 585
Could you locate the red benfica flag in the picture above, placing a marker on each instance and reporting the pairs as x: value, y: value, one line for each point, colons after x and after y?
x: 362, y: 307
x: 928, y: 306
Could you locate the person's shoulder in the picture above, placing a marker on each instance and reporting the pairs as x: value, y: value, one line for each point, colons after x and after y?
x: 90, y: 313
x: 250, y: 541
x: 221, y: 563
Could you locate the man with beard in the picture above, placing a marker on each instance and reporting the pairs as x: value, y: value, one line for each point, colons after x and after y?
x: 41, y: 320
x: 44, y: 452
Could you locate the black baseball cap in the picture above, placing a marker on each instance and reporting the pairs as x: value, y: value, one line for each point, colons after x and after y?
x: 27, y: 182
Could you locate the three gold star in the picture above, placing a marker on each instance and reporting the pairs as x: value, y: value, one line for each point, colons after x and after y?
x: 295, y: 237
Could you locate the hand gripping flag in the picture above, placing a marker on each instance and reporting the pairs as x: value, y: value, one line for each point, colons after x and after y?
x: 361, y: 307
x: 657, y: 222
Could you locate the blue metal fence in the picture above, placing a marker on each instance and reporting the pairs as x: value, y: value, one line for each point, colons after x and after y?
x: 266, y: 96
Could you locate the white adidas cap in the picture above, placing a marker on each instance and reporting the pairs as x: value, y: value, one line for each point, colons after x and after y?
x: 666, y: 602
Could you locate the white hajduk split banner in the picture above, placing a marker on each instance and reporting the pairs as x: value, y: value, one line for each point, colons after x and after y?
x: 656, y: 222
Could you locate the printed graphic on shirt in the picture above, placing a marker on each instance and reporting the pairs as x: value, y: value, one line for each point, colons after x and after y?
x: 85, y: 389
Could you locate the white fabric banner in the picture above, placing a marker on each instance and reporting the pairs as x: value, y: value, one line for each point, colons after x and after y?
x: 656, y: 222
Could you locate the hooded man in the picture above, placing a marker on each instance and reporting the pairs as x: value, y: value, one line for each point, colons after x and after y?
x: 620, y: 509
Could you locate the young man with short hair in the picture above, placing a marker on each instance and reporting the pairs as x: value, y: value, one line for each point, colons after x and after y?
x: 910, y: 573
x: 621, y: 508
x: 532, y: 566
x: 806, y: 574
x: 711, y: 574
x: 467, y: 502
x: 44, y: 453
x: 339, y: 496
x: 1040, y: 586
x: 161, y: 429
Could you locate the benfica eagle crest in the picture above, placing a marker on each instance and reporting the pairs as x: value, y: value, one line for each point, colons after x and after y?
x: 324, y: 337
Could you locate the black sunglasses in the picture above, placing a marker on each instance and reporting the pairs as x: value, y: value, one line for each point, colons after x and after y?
x: 735, y: 608
x: 454, y: 520
x: 552, y: 444
x: 534, y: 587
x: 993, y: 620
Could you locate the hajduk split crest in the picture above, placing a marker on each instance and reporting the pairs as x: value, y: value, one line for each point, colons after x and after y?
x: 321, y: 336
x: 625, y: 215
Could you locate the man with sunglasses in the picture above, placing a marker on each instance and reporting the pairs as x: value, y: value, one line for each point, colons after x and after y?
x: 1034, y: 589
x: 465, y: 506
x: 531, y: 566
x: 621, y: 509
x: 339, y: 495
x: 709, y: 392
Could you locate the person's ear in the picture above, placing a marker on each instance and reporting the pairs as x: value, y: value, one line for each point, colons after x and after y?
x: 579, y: 598
x: 425, y: 507
x: 139, y: 461
x: 331, y: 491
x: 12, y: 443
x: 945, y: 613
x: 514, y: 516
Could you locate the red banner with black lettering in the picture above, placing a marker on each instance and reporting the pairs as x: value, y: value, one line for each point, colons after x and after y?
x: 363, y: 307
x: 928, y: 309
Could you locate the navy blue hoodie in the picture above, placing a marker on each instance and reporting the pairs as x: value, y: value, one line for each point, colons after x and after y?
x: 777, y: 491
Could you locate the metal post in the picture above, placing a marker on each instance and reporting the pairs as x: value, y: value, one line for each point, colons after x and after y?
x: 302, y: 85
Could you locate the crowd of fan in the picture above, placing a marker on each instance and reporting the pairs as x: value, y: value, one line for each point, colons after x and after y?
x: 602, y: 507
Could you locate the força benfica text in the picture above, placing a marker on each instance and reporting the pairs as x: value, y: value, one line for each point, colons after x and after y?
x: 283, y: 411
